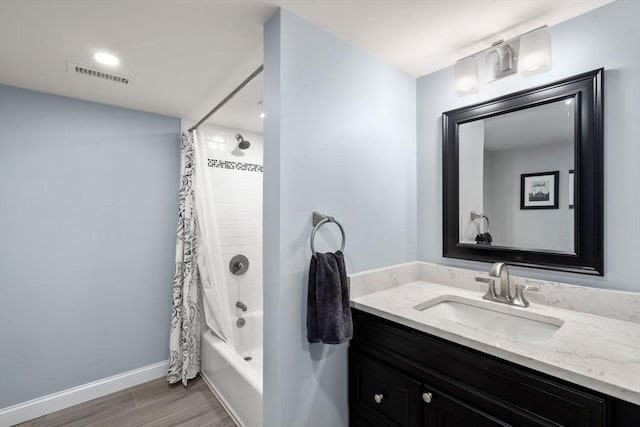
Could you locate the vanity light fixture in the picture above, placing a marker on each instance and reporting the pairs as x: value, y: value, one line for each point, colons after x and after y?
x: 535, y: 52
x: 466, y: 75
x: 529, y: 53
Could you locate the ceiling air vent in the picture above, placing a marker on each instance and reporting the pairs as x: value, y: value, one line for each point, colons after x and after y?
x: 94, y: 72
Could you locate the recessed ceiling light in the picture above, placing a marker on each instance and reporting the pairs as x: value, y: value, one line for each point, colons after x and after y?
x: 106, y: 59
x: 568, y: 101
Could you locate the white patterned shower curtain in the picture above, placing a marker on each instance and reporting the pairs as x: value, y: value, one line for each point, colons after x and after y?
x: 199, y: 284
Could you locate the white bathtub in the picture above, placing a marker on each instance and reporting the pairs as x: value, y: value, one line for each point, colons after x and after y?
x: 236, y: 381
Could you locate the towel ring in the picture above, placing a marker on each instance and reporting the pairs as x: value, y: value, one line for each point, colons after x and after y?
x: 477, y: 218
x: 326, y: 220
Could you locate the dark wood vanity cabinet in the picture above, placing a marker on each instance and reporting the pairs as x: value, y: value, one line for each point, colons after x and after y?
x: 399, y: 377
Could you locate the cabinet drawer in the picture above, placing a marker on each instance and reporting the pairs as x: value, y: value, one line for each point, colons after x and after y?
x: 382, y: 395
x: 446, y: 411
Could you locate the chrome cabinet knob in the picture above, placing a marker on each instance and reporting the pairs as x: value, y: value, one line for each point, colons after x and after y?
x: 427, y: 397
x: 378, y: 397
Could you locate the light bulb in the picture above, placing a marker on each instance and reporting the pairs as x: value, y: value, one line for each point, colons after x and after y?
x: 106, y: 59
x: 466, y: 76
x: 535, y: 52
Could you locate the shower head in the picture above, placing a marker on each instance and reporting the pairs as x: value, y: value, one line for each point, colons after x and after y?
x: 243, y: 144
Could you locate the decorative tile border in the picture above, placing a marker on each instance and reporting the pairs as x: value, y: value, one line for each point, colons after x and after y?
x: 225, y: 164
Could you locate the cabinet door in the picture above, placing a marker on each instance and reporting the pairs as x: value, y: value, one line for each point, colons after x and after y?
x: 442, y: 410
x: 380, y: 395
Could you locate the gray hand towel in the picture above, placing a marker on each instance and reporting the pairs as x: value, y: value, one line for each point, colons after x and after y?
x: 328, y: 308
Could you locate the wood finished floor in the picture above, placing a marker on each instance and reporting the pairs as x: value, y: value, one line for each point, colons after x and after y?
x: 155, y: 403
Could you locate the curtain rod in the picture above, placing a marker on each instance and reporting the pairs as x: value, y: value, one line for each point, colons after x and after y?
x: 228, y: 97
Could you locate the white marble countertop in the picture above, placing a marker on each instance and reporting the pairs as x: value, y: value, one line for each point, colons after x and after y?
x: 596, y: 352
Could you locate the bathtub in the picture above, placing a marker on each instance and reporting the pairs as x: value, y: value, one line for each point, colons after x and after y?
x: 237, y: 382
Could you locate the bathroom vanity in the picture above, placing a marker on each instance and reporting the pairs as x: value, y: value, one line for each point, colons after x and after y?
x: 400, y: 377
x: 435, y: 346
x: 424, y: 355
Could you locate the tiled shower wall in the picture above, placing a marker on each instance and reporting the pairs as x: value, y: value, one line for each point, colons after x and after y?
x: 236, y: 177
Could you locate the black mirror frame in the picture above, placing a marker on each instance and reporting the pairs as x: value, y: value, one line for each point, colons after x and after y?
x: 587, y: 90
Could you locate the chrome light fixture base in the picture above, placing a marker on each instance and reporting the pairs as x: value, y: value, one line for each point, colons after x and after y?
x: 502, y: 60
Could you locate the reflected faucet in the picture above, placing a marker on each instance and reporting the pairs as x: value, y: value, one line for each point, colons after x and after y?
x: 242, y: 306
x: 499, y: 271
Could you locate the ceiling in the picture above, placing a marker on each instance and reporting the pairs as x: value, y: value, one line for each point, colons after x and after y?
x: 243, y: 110
x: 186, y: 55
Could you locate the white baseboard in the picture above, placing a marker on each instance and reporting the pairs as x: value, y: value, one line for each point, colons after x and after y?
x: 64, y: 399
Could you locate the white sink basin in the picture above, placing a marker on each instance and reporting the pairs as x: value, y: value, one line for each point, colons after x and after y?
x: 500, y: 319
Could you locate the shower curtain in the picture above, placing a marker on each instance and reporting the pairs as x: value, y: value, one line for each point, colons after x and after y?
x: 199, y: 284
x: 184, y: 337
x: 216, y: 303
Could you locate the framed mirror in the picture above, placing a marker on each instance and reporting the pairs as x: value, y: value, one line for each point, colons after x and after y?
x: 523, y: 178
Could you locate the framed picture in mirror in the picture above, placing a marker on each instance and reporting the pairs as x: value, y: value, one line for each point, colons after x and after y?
x: 539, y: 190
x: 571, y: 188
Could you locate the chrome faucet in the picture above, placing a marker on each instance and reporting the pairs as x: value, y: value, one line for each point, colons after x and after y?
x: 499, y: 271
x: 242, y: 306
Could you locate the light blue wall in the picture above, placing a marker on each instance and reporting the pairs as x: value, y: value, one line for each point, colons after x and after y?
x: 606, y: 37
x: 340, y: 138
x: 88, y: 196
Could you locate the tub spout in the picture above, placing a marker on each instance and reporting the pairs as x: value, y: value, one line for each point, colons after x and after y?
x: 242, y: 306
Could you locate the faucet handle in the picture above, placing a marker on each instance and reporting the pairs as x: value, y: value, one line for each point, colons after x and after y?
x: 527, y: 288
x: 491, y: 292
x: 486, y: 280
x: 520, y: 299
